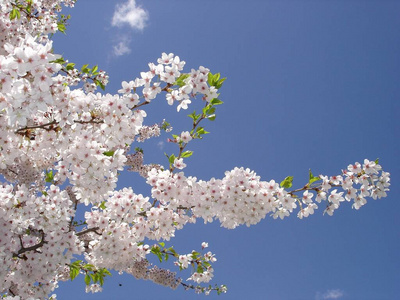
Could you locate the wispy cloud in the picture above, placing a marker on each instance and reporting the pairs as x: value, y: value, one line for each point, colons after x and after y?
x: 160, y: 145
x: 131, y: 16
x: 330, y: 294
x: 122, y: 46
x: 129, y: 13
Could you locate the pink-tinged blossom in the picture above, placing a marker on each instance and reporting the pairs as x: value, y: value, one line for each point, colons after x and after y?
x: 179, y: 164
x: 185, y: 260
x: 185, y: 137
x: 370, y: 167
x: 355, y: 168
x: 183, y: 104
x: 126, y: 87
x: 307, y: 197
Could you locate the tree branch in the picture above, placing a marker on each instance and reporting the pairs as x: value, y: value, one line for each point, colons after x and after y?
x: 94, y: 229
x: 31, y: 248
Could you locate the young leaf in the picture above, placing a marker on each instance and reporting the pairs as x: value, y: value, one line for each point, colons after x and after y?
x: 210, y: 111
x: 210, y: 79
x: 216, y: 101
x: 61, y: 27
x: 200, y: 269
x: 73, y: 272
x: 312, y: 178
x: 70, y: 66
x: 187, y: 154
x: 211, y: 117
x: 103, y: 205
x: 218, y: 85
x: 85, y: 68
x: 87, y: 279
x: 15, y: 14
x: 287, y: 182
x: 49, y: 176
x: 108, y: 153
x: 180, y: 81
x: 171, y: 159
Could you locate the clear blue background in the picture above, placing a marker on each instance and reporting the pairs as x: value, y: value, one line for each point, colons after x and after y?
x: 311, y: 84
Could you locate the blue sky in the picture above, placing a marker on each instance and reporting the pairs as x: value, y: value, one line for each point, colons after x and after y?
x: 310, y: 84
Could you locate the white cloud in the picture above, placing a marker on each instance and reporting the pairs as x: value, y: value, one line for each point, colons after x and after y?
x: 130, y: 14
x: 330, y: 294
x: 160, y: 145
x: 122, y: 47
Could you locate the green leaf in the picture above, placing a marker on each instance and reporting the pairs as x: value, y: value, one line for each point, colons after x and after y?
x: 15, y: 14
x: 58, y: 61
x: 70, y: 66
x: 61, y: 27
x: 206, y: 264
x: 287, y: 182
x: 210, y: 111
x: 215, y: 80
x: 101, y: 280
x: 85, y: 69
x: 105, y: 271
x: 210, y: 79
x: 29, y: 6
x: 200, y: 269
x: 165, y: 125
x: 76, y: 263
x: 103, y: 205
x: 73, y: 272
x: 49, y: 176
x: 211, y: 117
x: 180, y: 81
x: 200, y: 131
x: 172, y: 250
x: 162, y: 244
x: 195, y: 254
x: 95, y: 68
x: 218, y: 85
x: 108, y: 153
x: 89, y: 267
x: 87, y: 279
x: 159, y: 255
x: 313, y: 178
x: 193, y: 116
x: 187, y: 154
x: 205, y: 109
x: 100, y: 84
x: 171, y: 159
x: 377, y: 161
x: 216, y: 101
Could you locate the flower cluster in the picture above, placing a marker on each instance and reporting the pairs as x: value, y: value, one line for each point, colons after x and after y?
x: 242, y: 198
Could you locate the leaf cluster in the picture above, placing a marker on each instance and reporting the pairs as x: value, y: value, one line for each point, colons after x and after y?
x: 92, y: 274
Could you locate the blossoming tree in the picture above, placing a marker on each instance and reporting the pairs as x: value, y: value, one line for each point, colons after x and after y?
x: 63, y: 145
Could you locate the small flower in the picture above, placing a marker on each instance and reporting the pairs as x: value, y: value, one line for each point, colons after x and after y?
x: 183, y: 104
x: 186, y: 137
x: 179, y: 164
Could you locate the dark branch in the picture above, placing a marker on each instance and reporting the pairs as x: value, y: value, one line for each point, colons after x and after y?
x: 31, y: 248
x: 94, y: 229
